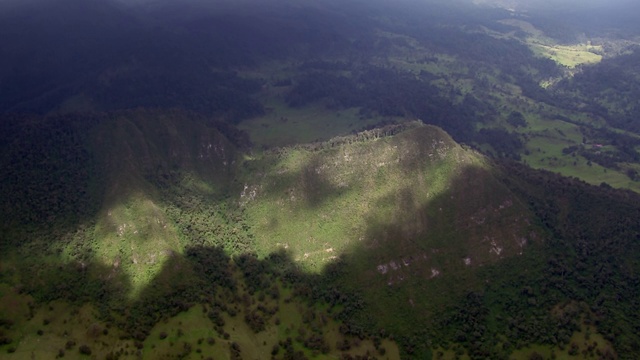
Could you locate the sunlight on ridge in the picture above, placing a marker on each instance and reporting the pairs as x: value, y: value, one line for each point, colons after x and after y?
x: 135, y: 238
x: 317, y: 204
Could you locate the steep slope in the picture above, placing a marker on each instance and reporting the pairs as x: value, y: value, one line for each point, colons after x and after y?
x: 335, y: 67
x: 138, y: 217
x: 107, y: 189
x: 409, y: 219
x: 151, y: 162
x: 412, y: 192
x: 137, y: 193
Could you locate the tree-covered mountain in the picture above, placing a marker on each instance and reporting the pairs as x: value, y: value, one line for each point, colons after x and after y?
x: 400, y: 231
x: 298, y: 179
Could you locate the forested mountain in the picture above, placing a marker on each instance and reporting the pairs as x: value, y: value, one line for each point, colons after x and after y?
x: 318, y: 179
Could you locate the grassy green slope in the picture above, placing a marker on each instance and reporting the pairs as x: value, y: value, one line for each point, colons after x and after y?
x: 144, y: 154
x: 397, y: 231
x: 139, y: 254
x: 412, y: 218
x: 124, y: 163
x: 320, y: 204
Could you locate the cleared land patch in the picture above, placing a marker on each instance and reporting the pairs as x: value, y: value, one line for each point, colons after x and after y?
x: 566, y: 55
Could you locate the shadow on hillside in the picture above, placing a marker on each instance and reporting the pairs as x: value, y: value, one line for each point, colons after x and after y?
x: 427, y: 254
x: 424, y: 279
x: 79, y: 281
x: 61, y: 171
x: 406, y: 272
x: 336, y: 169
x: 420, y: 239
x: 426, y: 144
x: 310, y: 185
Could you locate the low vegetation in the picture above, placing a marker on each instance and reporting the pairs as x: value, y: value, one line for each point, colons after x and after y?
x: 384, y: 188
x: 186, y: 265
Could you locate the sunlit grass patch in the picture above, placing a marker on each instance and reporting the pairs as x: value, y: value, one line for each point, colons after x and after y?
x: 546, y: 138
x: 546, y: 153
x: 58, y: 329
x: 134, y: 238
x: 192, y: 333
x: 316, y: 203
x: 566, y: 55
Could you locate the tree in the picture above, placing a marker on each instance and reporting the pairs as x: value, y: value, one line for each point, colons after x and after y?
x: 517, y: 119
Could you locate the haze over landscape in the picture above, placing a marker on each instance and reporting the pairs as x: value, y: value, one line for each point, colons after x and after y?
x: 296, y: 179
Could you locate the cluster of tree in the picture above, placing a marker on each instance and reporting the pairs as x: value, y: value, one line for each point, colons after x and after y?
x: 206, y: 275
x: 611, y: 89
x: 49, y: 176
x: 54, y: 177
x: 208, y: 223
x: 505, y: 143
x: 393, y: 93
x: 379, y: 130
x: 607, y: 148
x: 516, y: 119
x: 584, y: 275
x: 193, y: 88
x: 510, y: 57
x: 591, y: 257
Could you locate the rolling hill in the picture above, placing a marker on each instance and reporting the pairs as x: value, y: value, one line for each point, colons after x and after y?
x: 385, y: 234
x: 294, y: 180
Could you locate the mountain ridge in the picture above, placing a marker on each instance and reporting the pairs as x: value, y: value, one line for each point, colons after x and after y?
x: 165, y: 193
x: 139, y: 221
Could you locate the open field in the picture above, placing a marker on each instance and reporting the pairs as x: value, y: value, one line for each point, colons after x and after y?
x: 283, y: 125
x: 566, y: 55
x: 58, y: 328
x: 569, y: 56
x: 402, y: 209
x: 318, y: 182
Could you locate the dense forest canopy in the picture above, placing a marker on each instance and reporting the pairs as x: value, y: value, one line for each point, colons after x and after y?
x: 298, y: 179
